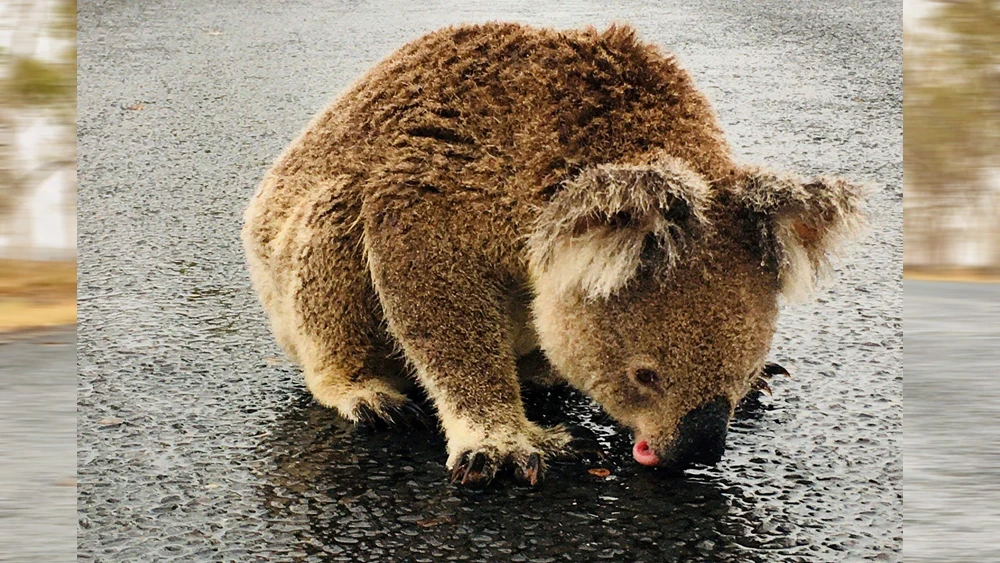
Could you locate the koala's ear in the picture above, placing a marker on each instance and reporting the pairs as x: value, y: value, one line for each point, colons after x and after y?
x: 802, y: 222
x: 589, y: 238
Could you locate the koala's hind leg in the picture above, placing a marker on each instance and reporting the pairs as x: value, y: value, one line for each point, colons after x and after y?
x: 452, y: 321
x: 338, y: 335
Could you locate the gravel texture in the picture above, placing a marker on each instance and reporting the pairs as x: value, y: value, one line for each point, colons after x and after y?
x: 220, y: 455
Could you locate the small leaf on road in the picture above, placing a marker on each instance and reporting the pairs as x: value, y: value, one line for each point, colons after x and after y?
x: 431, y: 522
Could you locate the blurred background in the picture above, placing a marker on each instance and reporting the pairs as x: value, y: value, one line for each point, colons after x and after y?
x: 951, y: 150
x: 37, y: 280
x: 37, y: 163
x: 951, y: 158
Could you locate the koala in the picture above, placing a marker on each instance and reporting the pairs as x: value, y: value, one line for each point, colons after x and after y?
x: 491, y: 192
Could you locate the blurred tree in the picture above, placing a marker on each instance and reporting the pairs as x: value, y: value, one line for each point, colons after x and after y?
x: 34, y: 88
x: 951, y: 114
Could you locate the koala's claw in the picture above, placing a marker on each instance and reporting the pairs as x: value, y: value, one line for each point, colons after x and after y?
x: 408, y: 415
x: 761, y: 385
x: 383, y: 412
x: 413, y: 412
x: 475, y: 470
x: 770, y: 370
x: 366, y: 415
x: 531, y: 471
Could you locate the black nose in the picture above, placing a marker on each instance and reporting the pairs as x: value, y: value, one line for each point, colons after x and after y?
x: 701, y: 435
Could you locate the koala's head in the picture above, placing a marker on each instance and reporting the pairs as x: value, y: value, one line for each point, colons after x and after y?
x: 657, y: 294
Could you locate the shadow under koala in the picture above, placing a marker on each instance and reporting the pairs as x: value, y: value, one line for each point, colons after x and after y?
x: 366, y: 493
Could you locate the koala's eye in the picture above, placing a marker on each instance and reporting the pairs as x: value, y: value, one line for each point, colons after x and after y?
x: 646, y: 376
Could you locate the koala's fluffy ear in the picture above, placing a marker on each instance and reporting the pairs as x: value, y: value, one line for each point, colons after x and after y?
x: 590, y: 237
x: 802, y: 222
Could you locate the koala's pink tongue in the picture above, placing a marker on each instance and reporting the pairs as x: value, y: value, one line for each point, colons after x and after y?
x: 644, y: 454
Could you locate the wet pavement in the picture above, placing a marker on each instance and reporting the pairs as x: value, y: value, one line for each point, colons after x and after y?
x: 952, y: 441
x: 37, y: 446
x: 220, y: 454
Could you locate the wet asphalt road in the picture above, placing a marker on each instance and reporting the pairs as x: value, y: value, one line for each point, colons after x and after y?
x: 37, y: 446
x: 222, y: 456
x: 952, y: 441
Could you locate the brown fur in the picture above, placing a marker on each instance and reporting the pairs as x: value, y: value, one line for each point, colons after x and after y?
x: 485, y: 171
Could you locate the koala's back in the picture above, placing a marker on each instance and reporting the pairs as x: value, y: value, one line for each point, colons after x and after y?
x: 486, y: 121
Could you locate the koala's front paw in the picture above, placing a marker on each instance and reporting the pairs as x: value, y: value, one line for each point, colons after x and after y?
x: 476, y: 468
x: 522, y: 452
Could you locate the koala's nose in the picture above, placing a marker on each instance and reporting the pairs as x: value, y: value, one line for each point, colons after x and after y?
x: 701, y: 435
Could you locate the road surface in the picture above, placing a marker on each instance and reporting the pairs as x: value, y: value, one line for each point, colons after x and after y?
x: 221, y: 455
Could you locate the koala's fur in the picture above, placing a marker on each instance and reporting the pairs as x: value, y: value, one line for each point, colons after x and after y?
x: 491, y: 189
